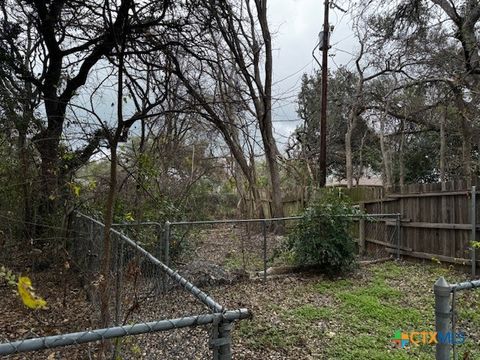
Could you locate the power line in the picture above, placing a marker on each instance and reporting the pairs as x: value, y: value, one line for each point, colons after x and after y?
x: 293, y: 74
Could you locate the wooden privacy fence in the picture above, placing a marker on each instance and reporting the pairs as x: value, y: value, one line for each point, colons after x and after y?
x: 438, y: 221
x: 295, y: 199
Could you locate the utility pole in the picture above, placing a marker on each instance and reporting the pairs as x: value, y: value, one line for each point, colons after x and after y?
x: 324, y: 41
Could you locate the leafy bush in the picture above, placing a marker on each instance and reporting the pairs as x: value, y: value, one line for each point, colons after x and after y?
x: 322, y: 237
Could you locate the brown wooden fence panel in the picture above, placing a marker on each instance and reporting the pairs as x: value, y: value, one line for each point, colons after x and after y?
x: 436, y: 219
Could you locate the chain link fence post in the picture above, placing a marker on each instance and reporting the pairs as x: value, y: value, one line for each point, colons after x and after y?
x: 361, y: 231
x: 159, y: 241
x: 166, y: 252
x: 160, y: 249
x: 221, y: 342
x: 166, y: 245
x: 264, y: 231
x: 442, y: 317
x: 398, y: 227
x: 473, y: 219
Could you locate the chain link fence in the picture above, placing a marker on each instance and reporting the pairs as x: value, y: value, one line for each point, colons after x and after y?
x: 377, y: 235
x: 246, y: 246
x: 254, y: 245
x: 446, y: 317
x: 170, y: 317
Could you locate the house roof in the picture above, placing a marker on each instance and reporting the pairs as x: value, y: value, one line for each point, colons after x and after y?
x: 363, y: 181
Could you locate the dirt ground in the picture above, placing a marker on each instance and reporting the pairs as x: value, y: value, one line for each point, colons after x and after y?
x: 231, y: 246
x: 298, y: 316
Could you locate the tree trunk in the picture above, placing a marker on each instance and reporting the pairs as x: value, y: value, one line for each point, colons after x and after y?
x: 248, y: 202
x: 351, y: 125
x: 401, y: 154
x: 360, y: 162
x: 138, y: 202
x: 386, y: 158
x: 352, y: 122
x: 106, y: 258
x: 348, y: 157
x: 49, y: 176
x: 275, y: 183
x: 22, y: 128
x: 26, y: 188
x: 110, y: 206
x: 443, y: 177
x: 467, y: 150
x: 265, y: 120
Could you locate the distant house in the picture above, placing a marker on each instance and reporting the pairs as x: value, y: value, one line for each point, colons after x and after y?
x: 370, y: 181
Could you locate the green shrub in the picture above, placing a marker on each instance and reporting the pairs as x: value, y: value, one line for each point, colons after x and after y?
x: 322, y: 237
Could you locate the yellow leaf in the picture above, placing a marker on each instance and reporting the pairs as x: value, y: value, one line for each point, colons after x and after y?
x: 75, y: 188
x: 129, y: 217
x: 29, y: 298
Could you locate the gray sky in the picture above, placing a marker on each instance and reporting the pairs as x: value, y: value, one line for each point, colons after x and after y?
x: 295, y: 25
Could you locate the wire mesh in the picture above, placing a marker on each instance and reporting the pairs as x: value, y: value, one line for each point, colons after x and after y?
x: 137, y: 293
x: 140, y: 291
x: 459, y: 308
x: 377, y: 235
x: 8, y: 233
x: 149, y: 235
x: 252, y: 246
x: 230, y: 249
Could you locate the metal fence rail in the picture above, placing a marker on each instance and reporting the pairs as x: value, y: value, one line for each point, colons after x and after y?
x: 445, y: 314
x: 254, y: 234
x: 258, y: 244
x: 50, y: 342
x: 170, y: 316
x: 199, y: 294
x: 148, y: 230
x: 368, y: 228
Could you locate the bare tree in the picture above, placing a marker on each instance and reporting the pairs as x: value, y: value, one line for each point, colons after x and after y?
x: 68, y: 41
x: 238, y: 39
x: 143, y: 93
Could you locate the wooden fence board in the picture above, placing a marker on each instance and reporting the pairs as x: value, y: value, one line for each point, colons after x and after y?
x: 436, y: 219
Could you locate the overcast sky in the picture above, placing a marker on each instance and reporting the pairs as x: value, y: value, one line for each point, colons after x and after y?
x: 295, y: 25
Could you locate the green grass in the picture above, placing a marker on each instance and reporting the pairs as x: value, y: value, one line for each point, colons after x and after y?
x: 264, y: 335
x: 310, y: 313
x: 329, y: 286
x: 369, y: 314
x: 356, y: 318
x: 470, y: 314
